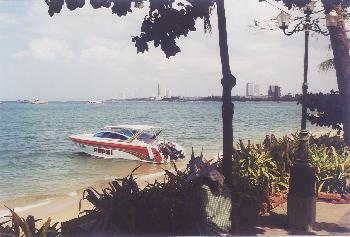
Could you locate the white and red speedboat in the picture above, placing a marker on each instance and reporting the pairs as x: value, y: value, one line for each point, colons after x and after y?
x: 131, y: 142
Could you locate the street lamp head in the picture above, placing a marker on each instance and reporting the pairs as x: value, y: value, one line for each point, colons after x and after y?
x: 283, y: 20
x: 332, y: 19
x: 309, y: 8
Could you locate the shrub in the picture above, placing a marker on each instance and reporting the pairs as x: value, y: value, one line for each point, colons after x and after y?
x: 27, y: 227
x: 161, y: 208
x: 256, y: 177
x: 328, y: 140
x: 332, y: 168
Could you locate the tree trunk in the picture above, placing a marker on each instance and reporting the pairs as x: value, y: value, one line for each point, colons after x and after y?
x: 342, y: 66
x: 228, y: 82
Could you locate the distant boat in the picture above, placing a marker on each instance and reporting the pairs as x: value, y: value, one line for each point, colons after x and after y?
x: 39, y: 102
x: 23, y: 101
x: 1, y: 102
x: 94, y: 101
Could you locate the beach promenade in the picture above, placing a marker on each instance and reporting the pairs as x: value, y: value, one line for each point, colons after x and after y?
x: 331, y: 219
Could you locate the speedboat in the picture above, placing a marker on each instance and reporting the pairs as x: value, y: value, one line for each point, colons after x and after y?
x: 39, y: 102
x: 131, y: 142
x: 93, y: 101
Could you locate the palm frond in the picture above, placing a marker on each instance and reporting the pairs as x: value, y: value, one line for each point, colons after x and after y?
x: 326, y: 66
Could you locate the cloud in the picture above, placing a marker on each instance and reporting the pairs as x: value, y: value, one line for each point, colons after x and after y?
x: 95, y: 46
x: 47, y: 49
x: 8, y: 18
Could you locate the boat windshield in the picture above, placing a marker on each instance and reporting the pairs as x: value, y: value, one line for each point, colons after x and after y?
x: 111, y: 135
x: 146, y: 137
x: 126, y: 131
x: 149, y: 137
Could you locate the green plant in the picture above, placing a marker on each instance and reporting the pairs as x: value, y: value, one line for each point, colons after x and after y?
x: 21, y: 227
x: 260, y: 172
x: 332, y: 169
x: 256, y: 176
x: 283, y: 151
x: 115, y: 206
x: 159, y: 208
x: 258, y: 168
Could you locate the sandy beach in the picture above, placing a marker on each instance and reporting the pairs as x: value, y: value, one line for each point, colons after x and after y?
x: 66, y: 207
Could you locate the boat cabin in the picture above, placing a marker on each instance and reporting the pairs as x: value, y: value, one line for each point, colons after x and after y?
x: 146, y: 134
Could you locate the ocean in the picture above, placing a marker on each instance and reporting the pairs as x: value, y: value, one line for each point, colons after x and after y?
x: 38, y: 161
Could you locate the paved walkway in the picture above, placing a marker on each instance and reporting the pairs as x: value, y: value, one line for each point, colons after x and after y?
x: 331, y: 219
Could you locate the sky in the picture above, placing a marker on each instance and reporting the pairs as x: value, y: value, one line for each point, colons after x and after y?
x: 88, y: 54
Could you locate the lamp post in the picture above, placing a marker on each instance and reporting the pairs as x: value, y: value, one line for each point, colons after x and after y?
x: 301, y: 206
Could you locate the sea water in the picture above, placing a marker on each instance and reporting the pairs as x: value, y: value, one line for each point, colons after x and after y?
x: 38, y: 161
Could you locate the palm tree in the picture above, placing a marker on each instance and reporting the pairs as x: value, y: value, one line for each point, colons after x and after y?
x: 340, y: 47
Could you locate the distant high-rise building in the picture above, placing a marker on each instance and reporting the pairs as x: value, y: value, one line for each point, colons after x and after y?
x: 161, y: 90
x: 256, y: 90
x: 252, y: 89
x: 168, y: 93
x: 274, y: 91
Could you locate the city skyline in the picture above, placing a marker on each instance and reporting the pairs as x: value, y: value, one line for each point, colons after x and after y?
x: 167, y: 93
x: 89, y: 54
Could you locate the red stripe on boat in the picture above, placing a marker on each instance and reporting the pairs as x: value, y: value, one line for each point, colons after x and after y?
x: 157, y: 156
x: 139, y: 149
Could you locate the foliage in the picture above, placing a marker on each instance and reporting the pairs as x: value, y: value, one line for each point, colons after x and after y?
x: 325, y: 109
x: 159, y: 208
x: 284, y: 150
x: 328, y: 4
x: 327, y: 65
x: 331, y: 4
x: 260, y: 172
x: 333, y: 169
x: 256, y: 176
x: 255, y: 166
x: 166, y: 21
x: 327, y: 140
x: 295, y: 3
x: 27, y: 227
